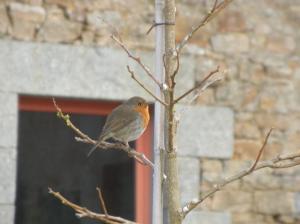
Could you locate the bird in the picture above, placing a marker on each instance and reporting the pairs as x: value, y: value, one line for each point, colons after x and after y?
x: 126, y: 123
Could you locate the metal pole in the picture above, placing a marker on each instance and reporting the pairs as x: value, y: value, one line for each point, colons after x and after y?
x: 157, y: 203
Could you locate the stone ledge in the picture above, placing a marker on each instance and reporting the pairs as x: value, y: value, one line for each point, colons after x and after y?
x: 78, y: 71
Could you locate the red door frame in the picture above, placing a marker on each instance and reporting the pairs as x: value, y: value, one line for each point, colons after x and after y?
x: 93, y: 107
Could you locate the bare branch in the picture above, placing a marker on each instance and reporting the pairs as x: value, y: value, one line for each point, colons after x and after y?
x: 205, y: 86
x: 137, y: 59
x: 260, y: 151
x: 144, y: 87
x: 199, y: 91
x: 176, y: 70
x: 139, y: 157
x: 210, y: 15
x: 158, y: 24
x: 177, y: 65
x: 102, y: 201
x: 68, y: 122
x: 82, y: 212
x: 278, y: 162
x: 199, y: 85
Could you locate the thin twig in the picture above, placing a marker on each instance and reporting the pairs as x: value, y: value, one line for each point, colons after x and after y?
x: 260, y: 151
x: 278, y: 162
x: 210, y: 15
x: 137, y: 59
x: 176, y: 70
x: 177, y: 65
x: 197, y: 86
x: 68, y: 122
x: 159, y: 24
x: 82, y: 212
x: 144, y: 87
x: 102, y: 201
x: 199, y: 91
x: 139, y: 157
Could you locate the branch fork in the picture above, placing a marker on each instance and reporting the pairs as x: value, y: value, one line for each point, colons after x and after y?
x: 278, y: 162
x: 217, y: 7
x: 144, y: 67
x: 82, y: 212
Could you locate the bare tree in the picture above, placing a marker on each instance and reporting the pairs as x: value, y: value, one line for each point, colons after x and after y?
x: 167, y: 65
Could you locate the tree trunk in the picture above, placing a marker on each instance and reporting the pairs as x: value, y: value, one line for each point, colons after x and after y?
x: 172, y: 186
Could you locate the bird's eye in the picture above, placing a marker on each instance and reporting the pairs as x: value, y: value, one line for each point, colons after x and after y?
x: 140, y: 104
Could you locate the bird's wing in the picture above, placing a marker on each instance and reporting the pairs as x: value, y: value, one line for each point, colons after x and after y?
x: 118, y: 119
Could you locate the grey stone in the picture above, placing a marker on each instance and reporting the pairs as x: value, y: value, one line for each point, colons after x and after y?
x: 7, y: 214
x: 8, y: 104
x: 52, y: 69
x: 7, y: 176
x: 205, y: 131
x: 205, y: 217
x: 297, y: 204
x: 8, y: 117
x: 8, y: 130
x: 189, y: 178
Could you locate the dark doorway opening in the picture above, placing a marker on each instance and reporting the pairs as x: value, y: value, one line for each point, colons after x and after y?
x: 48, y: 156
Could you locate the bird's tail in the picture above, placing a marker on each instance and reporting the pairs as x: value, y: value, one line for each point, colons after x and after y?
x: 93, y: 149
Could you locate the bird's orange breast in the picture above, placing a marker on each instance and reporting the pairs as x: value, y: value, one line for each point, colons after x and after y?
x: 144, y: 112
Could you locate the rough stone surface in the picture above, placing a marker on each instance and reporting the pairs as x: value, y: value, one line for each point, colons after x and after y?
x: 247, y: 218
x: 26, y: 20
x: 262, y: 180
x: 8, y: 116
x: 189, y: 178
x: 208, y: 218
x: 246, y: 148
x: 231, y: 43
x: 7, y: 213
x: 240, y: 201
x: 297, y: 203
x: 57, y: 29
x: 246, y: 130
x: 8, y: 104
x: 274, y: 202
x: 8, y: 168
x: 212, y: 165
x: 216, y: 139
x: 8, y: 129
x: 4, y: 21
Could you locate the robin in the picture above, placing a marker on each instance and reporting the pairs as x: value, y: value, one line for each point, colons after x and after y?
x: 126, y: 122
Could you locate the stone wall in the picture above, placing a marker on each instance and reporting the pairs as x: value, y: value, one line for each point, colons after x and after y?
x: 256, y: 41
